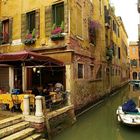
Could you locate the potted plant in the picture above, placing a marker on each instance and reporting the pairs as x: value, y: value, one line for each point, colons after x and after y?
x: 30, y: 38
x: 109, y: 54
x: 57, y: 32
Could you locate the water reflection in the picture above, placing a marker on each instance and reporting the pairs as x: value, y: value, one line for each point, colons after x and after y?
x: 100, y: 123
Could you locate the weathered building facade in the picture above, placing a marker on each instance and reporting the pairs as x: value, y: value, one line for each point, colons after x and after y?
x: 134, y: 61
x: 85, y: 35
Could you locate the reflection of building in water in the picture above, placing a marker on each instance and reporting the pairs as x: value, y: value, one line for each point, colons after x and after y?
x: 134, y: 61
x: 134, y: 92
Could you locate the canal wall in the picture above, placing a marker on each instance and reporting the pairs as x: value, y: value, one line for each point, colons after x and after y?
x: 83, y: 98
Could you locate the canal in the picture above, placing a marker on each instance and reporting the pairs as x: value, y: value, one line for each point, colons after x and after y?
x: 100, y: 123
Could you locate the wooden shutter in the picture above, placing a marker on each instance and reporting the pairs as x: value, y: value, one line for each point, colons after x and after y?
x: 66, y: 16
x: 23, y: 26
x: 1, y: 32
x: 48, y: 20
x: 10, y: 29
x: 79, y: 21
x: 0, y: 26
x: 37, y: 22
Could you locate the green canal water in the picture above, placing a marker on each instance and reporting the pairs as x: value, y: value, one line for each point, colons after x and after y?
x: 100, y: 122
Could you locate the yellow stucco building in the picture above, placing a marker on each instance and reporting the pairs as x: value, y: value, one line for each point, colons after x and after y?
x: 85, y: 35
x: 134, y: 61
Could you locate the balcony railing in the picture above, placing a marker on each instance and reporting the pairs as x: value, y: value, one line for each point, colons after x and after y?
x: 139, y: 6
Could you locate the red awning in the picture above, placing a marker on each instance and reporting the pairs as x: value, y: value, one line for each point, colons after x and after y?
x: 24, y: 56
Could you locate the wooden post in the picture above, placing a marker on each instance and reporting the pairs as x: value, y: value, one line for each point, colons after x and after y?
x: 48, y: 128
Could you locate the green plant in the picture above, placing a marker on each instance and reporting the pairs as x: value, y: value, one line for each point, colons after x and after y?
x: 109, y: 54
x: 30, y: 38
x: 57, y: 31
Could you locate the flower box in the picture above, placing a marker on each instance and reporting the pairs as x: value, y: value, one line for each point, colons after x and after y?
x: 29, y: 41
x: 30, y: 38
x: 57, y: 32
x: 57, y: 37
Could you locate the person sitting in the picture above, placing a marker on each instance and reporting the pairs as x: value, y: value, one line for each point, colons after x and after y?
x: 59, y: 87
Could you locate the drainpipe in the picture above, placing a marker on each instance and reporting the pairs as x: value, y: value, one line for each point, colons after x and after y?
x: 24, y: 77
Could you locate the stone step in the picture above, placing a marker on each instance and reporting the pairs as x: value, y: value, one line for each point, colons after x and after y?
x: 20, y: 135
x: 35, y: 136
x: 10, y: 121
x: 13, y: 129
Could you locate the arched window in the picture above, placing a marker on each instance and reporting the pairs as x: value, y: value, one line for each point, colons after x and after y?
x: 139, y: 75
x: 134, y: 75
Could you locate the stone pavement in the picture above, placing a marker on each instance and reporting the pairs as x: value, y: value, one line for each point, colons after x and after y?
x: 7, y: 114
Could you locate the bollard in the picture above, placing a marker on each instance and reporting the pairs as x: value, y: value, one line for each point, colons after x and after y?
x: 39, y: 109
x: 26, y: 105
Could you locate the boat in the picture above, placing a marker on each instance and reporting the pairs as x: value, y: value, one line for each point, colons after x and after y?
x: 131, y: 118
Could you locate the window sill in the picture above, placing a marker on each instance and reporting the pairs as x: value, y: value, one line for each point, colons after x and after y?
x: 5, y: 44
x: 80, y: 38
x: 95, y: 80
x: 91, y: 44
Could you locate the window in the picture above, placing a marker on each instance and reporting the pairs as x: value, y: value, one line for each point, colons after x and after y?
x: 79, y: 21
x: 112, y: 72
x: 80, y: 71
x: 114, y: 26
x: 134, y: 74
x: 106, y: 15
x: 133, y: 50
x: 31, y: 21
x: 91, y: 71
x: 119, y: 52
x: 99, y: 72
x: 58, y: 14
x: 30, y: 24
x: 133, y: 62
x: 4, y: 32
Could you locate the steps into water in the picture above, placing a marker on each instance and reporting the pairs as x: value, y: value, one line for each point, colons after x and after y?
x: 15, y: 128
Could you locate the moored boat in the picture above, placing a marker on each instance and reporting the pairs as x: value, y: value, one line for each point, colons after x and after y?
x: 128, y: 118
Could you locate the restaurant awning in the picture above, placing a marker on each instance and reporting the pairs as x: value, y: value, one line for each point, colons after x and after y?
x: 27, y: 56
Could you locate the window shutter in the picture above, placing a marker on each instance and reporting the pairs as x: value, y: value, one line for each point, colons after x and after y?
x: 0, y: 26
x: 1, y: 33
x: 10, y: 29
x: 37, y: 23
x: 48, y: 20
x: 23, y: 26
x: 66, y: 16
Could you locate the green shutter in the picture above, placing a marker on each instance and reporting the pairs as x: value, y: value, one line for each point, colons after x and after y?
x: 66, y: 16
x: 10, y: 29
x: 48, y: 20
x: 23, y: 26
x: 37, y: 22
